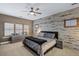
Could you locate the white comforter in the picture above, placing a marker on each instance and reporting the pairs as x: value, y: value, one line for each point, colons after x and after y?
x: 48, y: 44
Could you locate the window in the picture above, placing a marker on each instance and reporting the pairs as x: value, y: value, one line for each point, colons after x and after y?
x: 19, y: 28
x: 8, y: 28
x: 71, y: 23
x: 26, y: 29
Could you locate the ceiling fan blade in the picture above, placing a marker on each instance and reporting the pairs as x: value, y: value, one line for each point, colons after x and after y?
x: 74, y: 3
x: 36, y: 9
x: 34, y: 14
x: 32, y: 8
x: 38, y: 12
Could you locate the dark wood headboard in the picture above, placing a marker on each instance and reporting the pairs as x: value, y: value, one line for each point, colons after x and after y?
x: 56, y: 33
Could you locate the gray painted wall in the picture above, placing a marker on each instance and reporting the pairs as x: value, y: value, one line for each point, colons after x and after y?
x: 70, y: 36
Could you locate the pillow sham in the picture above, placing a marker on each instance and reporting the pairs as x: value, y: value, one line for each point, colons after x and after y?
x: 49, y: 35
x: 40, y: 34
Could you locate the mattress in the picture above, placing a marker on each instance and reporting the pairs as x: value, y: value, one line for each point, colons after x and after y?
x: 48, y: 45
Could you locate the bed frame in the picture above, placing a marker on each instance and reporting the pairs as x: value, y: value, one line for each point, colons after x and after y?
x: 56, y: 36
x: 56, y: 33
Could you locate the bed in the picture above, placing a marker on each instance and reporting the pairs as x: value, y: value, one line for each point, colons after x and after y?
x: 41, y: 43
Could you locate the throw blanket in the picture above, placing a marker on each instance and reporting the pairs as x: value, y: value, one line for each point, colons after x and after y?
x: 37, y: 40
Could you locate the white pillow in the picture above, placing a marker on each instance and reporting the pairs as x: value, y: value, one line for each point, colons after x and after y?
x: 41, y: 34
x: 53, y: 36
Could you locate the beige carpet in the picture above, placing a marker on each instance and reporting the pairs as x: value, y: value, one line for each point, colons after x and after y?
x: 17, y: 49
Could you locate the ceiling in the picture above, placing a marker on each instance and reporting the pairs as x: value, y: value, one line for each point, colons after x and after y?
x: 18, y: 9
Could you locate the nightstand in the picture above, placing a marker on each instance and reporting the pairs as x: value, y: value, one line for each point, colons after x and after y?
x: 59, y: 44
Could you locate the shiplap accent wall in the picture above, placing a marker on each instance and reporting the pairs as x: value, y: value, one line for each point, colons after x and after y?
x: 70, y: 36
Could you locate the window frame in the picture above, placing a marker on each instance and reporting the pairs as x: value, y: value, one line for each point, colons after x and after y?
x: 8, y: 29
x: 25, y: 29
x: 19, y: 28
x: 14, y: 29
x: 70, y: 20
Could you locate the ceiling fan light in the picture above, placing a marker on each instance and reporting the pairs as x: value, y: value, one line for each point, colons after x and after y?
x: 32, y: 13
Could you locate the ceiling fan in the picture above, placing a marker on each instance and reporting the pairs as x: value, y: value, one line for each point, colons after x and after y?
x: 74, y: 3
x: 34, y: 12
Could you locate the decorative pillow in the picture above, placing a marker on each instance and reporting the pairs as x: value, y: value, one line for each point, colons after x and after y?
x: 53, y: 36
x: 14, y: 34
x: 46, y: 35
x: 49, y: 35
x: 41, y: 34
